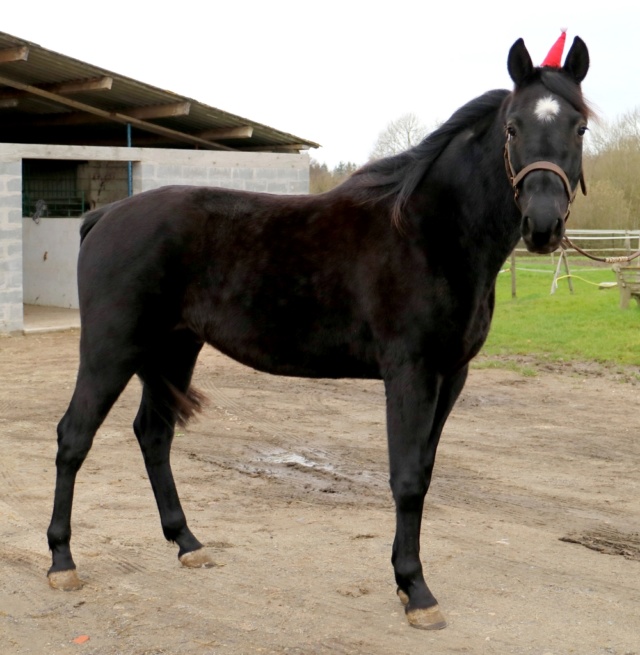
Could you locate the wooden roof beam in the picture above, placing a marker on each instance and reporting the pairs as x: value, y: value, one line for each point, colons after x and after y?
x: 160, y: 111
x: 114, y: 116
x: 103, y: 83
x: 240, y: 132
x: 66, y: 88
x: 82, y: 118
x: 279, y: 147
x: 148, y: 140
x: 14, y: 54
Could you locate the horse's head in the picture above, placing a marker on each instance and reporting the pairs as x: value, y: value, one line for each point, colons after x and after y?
x: 545, y: 121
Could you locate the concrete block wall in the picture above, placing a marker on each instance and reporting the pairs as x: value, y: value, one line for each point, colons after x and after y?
x: 11, y: 277
x: 266, y: 172
x: 37, y: 261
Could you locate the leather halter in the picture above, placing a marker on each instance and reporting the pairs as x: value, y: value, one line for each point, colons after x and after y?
x: 516, y: 178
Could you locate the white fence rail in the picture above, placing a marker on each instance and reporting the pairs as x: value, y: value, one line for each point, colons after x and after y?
x: 604, y: 243
x: 609, y: 243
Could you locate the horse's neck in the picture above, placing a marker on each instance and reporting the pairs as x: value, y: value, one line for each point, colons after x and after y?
x: 485, y: 222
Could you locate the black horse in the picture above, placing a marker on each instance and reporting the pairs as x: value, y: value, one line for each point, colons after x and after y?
x: 389, y: 276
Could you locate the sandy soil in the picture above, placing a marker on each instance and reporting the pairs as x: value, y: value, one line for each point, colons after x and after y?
x: 285, y: 480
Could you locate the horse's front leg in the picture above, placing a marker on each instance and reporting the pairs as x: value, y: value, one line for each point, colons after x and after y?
x: 418, y: 404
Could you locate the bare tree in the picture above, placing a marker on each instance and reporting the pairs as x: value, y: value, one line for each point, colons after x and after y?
x: 399, y: 135
x: 612, y: 170
x: 322, y: 179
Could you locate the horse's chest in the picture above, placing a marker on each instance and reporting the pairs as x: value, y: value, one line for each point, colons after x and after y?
x: 457, y: 330
x: 477, y: 327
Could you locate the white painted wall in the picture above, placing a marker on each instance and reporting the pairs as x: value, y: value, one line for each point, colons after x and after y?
x: 49, y: 257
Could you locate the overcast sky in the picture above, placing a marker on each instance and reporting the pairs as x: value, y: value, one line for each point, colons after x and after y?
x: 336, y: 72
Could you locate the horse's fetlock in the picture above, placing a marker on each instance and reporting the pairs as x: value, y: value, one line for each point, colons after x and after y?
x: 57, y: 537
x: 173, y: 528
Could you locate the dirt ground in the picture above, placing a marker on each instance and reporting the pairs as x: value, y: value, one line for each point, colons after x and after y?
x: 531, y: 540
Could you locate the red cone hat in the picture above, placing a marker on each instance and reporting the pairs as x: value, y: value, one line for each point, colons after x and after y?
x: 554, y: 58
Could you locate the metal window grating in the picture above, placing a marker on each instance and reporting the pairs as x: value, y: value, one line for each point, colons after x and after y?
x: 49, y: 189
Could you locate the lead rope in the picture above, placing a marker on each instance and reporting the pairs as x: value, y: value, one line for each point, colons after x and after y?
x: 625, y: 259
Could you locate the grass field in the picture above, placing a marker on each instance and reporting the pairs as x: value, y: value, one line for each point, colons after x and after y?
x: 587, y: 325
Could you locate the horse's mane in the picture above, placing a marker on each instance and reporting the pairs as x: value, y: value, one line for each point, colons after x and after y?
x: 399, y: 175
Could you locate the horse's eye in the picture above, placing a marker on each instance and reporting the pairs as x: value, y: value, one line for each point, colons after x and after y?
x: 582, y: 130
x: 511, y: 131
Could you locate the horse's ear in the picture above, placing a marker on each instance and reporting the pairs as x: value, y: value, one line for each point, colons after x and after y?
x: 577, y: 61
x: 519, y: 63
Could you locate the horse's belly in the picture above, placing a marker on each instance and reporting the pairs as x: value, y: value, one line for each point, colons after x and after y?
x: 290, y: 345
x: 299, y: 362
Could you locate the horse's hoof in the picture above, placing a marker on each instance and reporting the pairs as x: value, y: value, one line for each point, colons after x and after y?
x: 198, y: 559
x: 65, y: 580
x: 427, y: 619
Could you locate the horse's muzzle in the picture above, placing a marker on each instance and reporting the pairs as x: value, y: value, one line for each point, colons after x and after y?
x: 543, y: 215
x: 542, y: 232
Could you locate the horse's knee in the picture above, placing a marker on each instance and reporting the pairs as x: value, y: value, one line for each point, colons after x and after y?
x: 409, y: 491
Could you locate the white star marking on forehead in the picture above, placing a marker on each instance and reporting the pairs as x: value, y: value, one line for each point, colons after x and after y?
x: 547, y: 109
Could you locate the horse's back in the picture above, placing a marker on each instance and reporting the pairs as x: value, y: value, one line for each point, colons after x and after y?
x: 268, y: 279
x: 175, y: 208
x: 158, y: 223
x: 157, y: 238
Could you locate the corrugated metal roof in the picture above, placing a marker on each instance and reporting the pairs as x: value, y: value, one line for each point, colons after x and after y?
x: 46, y: 97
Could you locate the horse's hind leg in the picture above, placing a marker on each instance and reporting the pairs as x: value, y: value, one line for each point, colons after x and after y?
x: 167, y: 399
x: 100, y: 382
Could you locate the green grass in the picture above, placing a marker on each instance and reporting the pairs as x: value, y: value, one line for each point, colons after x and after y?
x: 587, y: 325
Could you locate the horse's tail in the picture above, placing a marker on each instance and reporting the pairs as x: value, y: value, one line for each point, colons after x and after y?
x: 185, y: 404
x: 90, y: 219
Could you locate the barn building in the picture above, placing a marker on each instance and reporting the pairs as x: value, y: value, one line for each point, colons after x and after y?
x: 74, y: 137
